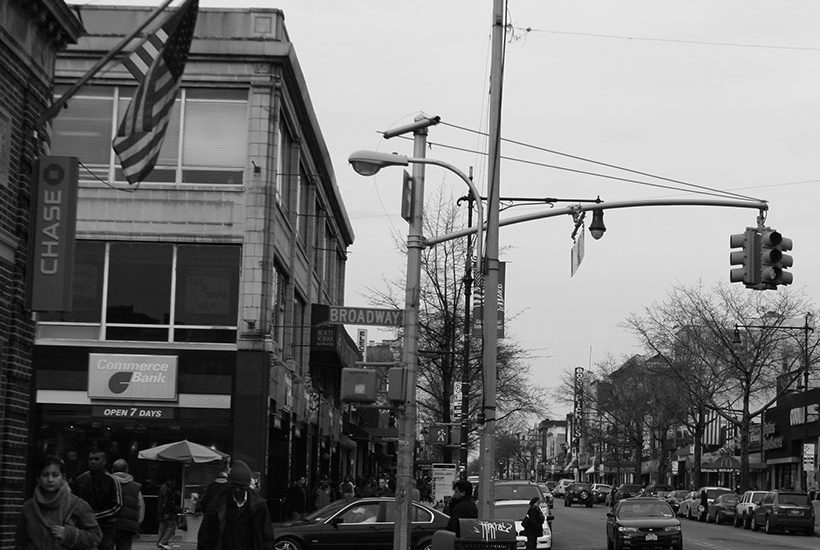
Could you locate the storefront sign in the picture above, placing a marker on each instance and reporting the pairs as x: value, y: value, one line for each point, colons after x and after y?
x: 52, y: 239
x: 132, y: 377
x: 116, y: 411
x: 444, y: 475
x: 808, y: 456
x: 803, y: 415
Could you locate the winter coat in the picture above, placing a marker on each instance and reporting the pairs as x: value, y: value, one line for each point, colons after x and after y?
x: 461, y: 508
x: 213, y: 522
x: 535, y: 527
x: 39, y: 513
x: 101, y: 491
x: 167, y: 503
x: 133, y: 505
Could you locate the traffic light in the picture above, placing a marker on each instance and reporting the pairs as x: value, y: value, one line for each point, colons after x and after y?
x: 748, y: 257
x: 772, y: 260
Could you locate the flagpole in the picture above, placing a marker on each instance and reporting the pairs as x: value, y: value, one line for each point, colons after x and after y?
x: 54, y: 109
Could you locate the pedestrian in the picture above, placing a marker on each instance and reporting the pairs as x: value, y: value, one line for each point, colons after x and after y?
x: 214, y: 489
x: 237, y: 518
x: 167, y: 509
x: 462, y: 505
x: 533, y: 523
x: 132, y: 512
x: 346, y: 488
x: 54, y: 518
x: 322, y: 495
x: 298, y: 498
x: 704, y: 505
x: 102, y: 492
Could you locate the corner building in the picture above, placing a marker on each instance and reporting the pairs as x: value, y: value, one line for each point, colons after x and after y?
x: 192, y: 291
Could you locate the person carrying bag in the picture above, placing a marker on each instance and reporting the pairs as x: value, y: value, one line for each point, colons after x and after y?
x: 533, y: 523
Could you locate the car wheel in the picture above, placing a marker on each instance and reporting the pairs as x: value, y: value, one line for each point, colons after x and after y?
x: 426, y: 545
x: 288, y: 544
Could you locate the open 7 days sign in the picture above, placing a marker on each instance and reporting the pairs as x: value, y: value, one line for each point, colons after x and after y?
x: 132, y: 377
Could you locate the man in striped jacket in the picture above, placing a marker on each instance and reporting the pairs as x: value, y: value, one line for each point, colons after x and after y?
x: 102, y: 492
x: 133, y: 506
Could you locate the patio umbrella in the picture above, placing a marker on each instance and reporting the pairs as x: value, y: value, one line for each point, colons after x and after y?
x: 725, y: 462
x: 184, y: 452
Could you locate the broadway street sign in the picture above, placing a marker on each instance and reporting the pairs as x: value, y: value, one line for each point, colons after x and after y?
x: 343, y: 315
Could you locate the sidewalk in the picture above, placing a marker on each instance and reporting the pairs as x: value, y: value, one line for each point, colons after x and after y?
x: 149, y: 542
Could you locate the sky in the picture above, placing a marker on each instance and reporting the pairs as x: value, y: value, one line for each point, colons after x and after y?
x: 717, y: 94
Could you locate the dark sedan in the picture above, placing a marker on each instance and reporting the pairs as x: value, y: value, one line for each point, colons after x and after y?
x: 784, y: 511
x: 722, y: 509
x: 363, y: 523
x: 643, y: 522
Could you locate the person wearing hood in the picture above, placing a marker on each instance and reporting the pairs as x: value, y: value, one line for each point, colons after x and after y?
x: 133, y: 506
x: 237, y: 518
x: 214, y: 489
x: 54, y: 518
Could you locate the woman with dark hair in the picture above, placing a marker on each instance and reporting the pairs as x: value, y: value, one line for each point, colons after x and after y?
x: 534, y: 524
x: 54, y: 518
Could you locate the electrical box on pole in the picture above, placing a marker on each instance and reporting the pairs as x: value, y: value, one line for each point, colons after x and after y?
x: 773, y: 261
x: 747, y: 257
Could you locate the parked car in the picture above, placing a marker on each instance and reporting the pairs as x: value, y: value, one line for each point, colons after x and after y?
x: 545, y: 490
x: 561, y: 487
x: 688, y: 507
x: 784, y: 511
x: 580, y: 493
x: 521, y: 490
x: 659, y: 491
x: 643, y: 522
x: 722, y: 509
x: 712, y: 493
x: 745, y: 506
x: 675, y: 497
x: 361, y: 523
x: 515, y: 510
x: 600, y: 491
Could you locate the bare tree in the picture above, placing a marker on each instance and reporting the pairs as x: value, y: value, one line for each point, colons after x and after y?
x: 442, y: 332
x: 693, y: 333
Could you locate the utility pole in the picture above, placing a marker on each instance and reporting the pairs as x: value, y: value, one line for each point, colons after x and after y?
x: 465, y: 368
x: 486, y: 499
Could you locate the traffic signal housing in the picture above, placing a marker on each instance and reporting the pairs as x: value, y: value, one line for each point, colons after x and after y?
x: 773, y: 261
x: 748, y: 258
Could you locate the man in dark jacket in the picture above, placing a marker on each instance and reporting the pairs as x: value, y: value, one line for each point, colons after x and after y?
x: 102, y: 492
x: 462, y: 505
x: 297, y: 499
x: 237, y: 518
x: 133, y: 506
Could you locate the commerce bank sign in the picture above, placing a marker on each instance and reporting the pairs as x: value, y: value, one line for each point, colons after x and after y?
x: 132, y: 377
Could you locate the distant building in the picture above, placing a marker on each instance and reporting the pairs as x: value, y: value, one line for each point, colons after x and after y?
x: 31, y: 34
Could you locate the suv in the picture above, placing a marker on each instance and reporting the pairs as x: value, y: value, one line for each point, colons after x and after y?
x: 562, y: 486
x: 580, y: 493
x: 744, y: 508
x: 784, y: 510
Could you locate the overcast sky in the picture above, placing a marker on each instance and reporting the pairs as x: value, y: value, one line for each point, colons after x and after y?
x: 719, y: 94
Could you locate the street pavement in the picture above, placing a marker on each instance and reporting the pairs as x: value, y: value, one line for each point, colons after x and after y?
x: 149, y: 542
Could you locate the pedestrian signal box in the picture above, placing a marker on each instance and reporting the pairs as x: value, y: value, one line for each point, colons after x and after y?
x: 359, y: 385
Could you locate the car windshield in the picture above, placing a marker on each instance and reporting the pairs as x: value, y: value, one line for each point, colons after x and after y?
x: 644, y: 510
x: 516, y: 492
x: 797, y: 500
x: 511, y: 512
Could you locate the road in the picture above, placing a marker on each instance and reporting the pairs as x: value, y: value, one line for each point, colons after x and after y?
x: 581, y: 528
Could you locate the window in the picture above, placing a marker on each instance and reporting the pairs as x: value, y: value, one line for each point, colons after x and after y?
x: 280, y: 282
x: 205, y: 142
x: 302, y: 201
x: 318, y: 235
x: 361, y: 513
x: 141, y: 293
x: 283, y: 166
x: 299, y: 308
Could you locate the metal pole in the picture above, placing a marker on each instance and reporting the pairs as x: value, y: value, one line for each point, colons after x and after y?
x: 407, y: 422
x: 806, y: 330
x: 465, y: 368
x: 486, y: 503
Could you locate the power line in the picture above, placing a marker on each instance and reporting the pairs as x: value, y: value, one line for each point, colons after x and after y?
x: 672, y: 40
x: 615, y: 166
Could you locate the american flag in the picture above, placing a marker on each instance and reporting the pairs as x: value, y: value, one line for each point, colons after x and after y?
x: 157, y: 64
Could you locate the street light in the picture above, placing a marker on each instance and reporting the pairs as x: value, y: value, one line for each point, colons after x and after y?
x: 369, y: 163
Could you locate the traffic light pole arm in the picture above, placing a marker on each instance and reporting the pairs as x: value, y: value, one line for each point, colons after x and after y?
x: 553, y: 212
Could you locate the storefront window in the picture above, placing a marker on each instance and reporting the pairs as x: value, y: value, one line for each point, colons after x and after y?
x: 139, y: 283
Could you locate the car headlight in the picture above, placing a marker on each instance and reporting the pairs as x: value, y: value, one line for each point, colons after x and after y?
x: 672, y: 528
x: 623, y: 529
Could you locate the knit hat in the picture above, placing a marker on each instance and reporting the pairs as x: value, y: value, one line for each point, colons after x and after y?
x: 240, y: 473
